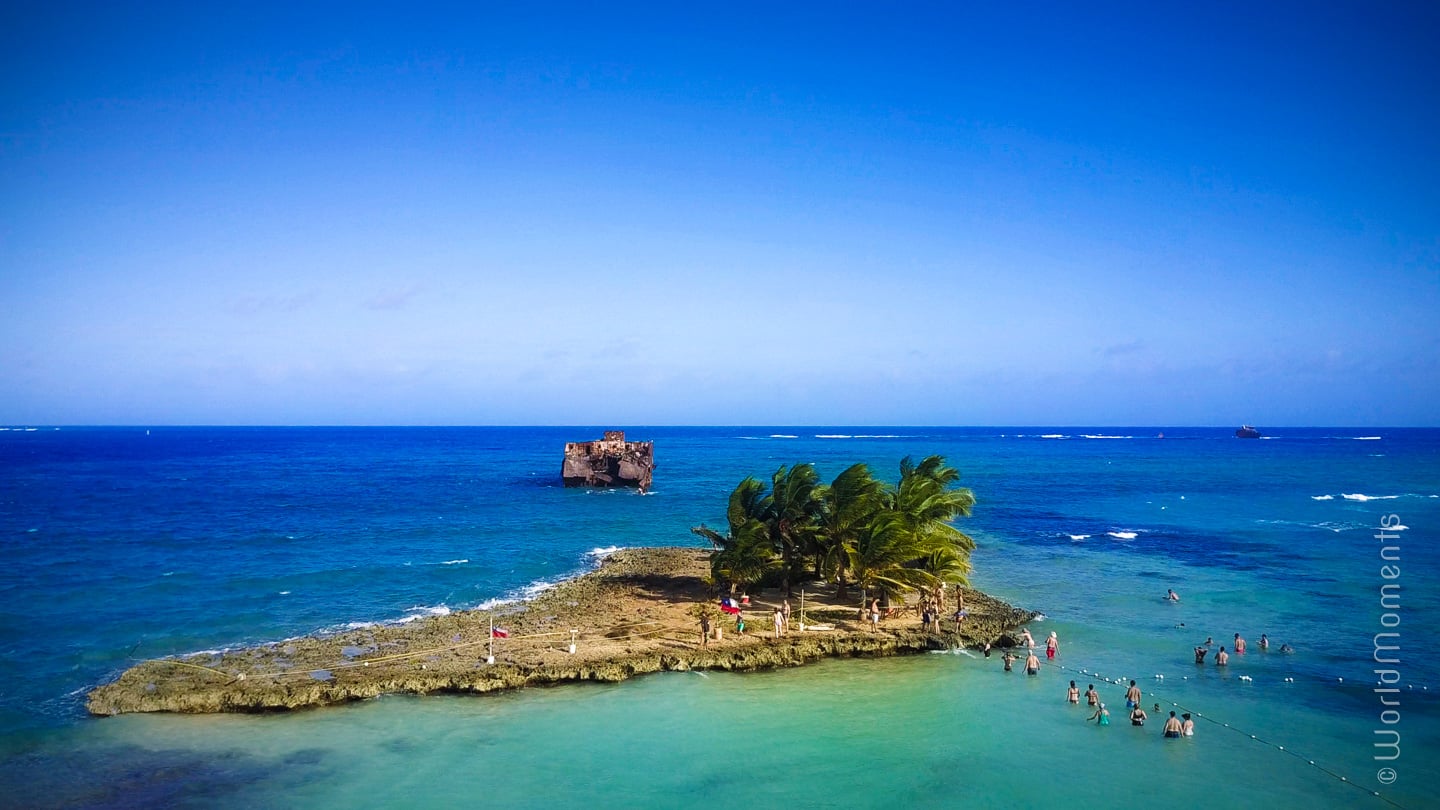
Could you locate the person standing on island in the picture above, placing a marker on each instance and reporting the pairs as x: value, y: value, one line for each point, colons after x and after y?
x: 874, y: 615
x: 1073, y: 695
x: 1051, y: 645
x: 785, y: 613
x: 740, y: 623
x: 1239, y: 645
x: 1032, y: 664
x: 1132, y: 696
x: 705, y: 630
x: 1172, y: 727
x: 1222, y: 658
x: 1092, y: 698
x: 779, y: 621
x: 1101, y: 715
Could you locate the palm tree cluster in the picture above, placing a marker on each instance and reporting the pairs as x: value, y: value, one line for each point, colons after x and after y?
x: 857, y: 530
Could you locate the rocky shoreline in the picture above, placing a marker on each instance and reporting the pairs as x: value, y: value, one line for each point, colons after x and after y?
x: 631, y: 616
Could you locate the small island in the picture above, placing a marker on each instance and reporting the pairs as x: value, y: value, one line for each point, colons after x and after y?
x: 642, y: 609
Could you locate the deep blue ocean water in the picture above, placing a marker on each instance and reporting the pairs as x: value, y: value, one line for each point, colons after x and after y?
x: 129, y: 543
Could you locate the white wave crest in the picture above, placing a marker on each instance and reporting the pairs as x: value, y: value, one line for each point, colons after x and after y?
x: 1395, y: 528
x: 1079, y: 536
x: 833, y: 436
x: 422, y: 612
x: 1365, y: 438
x: 1322, y: 497
x: 1054, y: 436
x: 1360, y: 497
x: 783, y: 436
x: 602, y: 553
x: 1098, y: 436
x: 1123, y: 535
x: 455, y: 562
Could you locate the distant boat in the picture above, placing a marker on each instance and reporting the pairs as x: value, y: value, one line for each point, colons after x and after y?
x: 1247, y: 432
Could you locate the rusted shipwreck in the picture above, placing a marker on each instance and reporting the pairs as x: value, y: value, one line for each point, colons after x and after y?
x: 610, y: 462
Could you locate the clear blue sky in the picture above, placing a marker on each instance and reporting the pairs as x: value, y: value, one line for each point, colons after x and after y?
x: 719, y: 214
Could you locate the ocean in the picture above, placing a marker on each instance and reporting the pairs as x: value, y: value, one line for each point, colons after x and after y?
x: 122, y: 544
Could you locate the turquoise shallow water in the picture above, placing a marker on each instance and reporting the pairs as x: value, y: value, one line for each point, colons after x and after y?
x: 121, y: 545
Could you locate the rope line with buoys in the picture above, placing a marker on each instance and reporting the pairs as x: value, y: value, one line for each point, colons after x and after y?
x: 1343, y: 779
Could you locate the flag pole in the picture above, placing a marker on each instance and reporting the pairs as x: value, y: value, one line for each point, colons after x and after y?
x: 491, y: 658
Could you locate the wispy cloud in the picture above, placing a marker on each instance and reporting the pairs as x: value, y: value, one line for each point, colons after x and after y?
x: 260, y: 304
x: 1130, y: 346
x: 397, y: 298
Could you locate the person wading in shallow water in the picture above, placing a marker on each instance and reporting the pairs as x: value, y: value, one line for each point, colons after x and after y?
x: 1032, y: 664
x: 1101, y: 715
x: 1173, y: 726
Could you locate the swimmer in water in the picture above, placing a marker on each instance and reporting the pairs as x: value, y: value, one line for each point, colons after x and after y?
x: 1138, y: 716
x: 1200, y: 653
x: 1239, y: 645
x: 1172, y: 727
x: 1032, y: 664
x: 1187, y: 727
x: 1092, y: 698
x: 1101, y: 715
x: 1286, y: 648
x: 1264, y: 642
x: 1009, y: 660
x: 1073, y: 695
x: 1222, y: 658
x: 1172, y: 596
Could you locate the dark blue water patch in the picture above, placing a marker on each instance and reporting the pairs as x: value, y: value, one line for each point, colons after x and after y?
x: 125, y: 777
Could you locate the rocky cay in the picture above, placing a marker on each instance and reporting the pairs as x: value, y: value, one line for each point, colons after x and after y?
x: 635, y: 614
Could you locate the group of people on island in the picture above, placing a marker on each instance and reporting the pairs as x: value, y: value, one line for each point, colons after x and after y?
x: 780, y: 618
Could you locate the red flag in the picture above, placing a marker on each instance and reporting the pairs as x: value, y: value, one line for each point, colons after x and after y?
x: 499, y: 633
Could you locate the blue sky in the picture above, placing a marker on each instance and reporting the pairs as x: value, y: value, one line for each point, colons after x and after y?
x: 833, y: 214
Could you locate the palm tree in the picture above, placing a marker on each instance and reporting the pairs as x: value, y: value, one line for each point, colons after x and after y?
x: 791, y: 511
x: 742, y: 554
x: 929, y: 501
x: 881, y: 555
x: 848, y: 505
